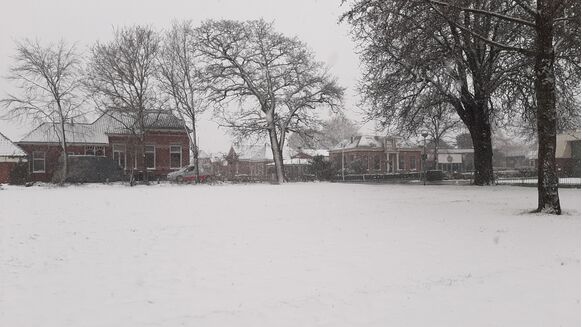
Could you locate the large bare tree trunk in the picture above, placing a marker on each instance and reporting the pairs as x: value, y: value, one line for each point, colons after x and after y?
x: 548, y: 198
x: 195, y: 151
x: 436, y: 154
x: 277, y: 155
x: 473, y: 112
x: 65, y: 155
x: 483, y: 159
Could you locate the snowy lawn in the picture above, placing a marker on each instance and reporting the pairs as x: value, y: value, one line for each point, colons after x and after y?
x: 314, y: 254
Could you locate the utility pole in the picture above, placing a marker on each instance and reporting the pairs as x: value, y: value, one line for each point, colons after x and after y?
x: 424, y: 135
x: 343, y: 173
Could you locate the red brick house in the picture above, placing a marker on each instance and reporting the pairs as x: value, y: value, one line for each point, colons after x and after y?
x: 166, y: 145
x: 10, y: 156
x: 375, y: 155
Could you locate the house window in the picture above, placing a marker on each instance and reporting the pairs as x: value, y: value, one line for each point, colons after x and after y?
x: 92, y: 150
x: 376, y: 163
x: 38, y: 162
x: 150, y: 157
x: 401, y: 164
x: 412, y: 163
x: 135, y: 156
x: 119, y: 154
x: 175, y: 156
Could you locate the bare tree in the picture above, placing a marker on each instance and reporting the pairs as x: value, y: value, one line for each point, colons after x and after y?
x: 439, y: 121
x: 554, y: 31
x: 121, y: 80
x: 49, y: 80
x: 180, y: 79
x: 274, y: 79
x: 330, y: 134
x: 309, y: 89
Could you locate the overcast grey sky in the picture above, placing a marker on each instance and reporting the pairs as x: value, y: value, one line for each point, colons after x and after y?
x: 314, y: 21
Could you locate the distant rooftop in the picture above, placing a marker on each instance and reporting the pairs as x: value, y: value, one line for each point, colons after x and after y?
x: 253, y: 152
x: 9, y: 149
x: 96, y: 132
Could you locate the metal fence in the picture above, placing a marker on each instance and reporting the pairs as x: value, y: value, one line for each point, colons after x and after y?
x: 502, y: 178
x: 533, y: 181
x: 378, y: 178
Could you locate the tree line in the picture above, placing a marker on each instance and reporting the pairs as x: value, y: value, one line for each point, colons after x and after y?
x: 257, y: 81
x: 488, y: 62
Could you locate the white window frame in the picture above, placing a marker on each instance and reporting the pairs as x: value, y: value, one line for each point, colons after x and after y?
x: 91, y: 148
x: 102, y: 148
x: 176, y: 152
x: 113, y: 151
x: 94, y: 149
x: 135, y: 155
x: 34, y: 159
x: 146, y: 154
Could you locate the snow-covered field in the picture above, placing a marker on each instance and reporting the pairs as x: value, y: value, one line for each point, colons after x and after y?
x: 313, y: 254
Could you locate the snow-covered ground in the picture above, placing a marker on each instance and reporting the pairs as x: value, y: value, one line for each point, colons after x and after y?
x: 313, y: 254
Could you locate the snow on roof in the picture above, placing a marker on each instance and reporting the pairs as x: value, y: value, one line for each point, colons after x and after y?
x: 116, y: 123
x: 75, y: 133
x: 253, y: 152
x: 365, y: 141
x: 9, y: 149
x: 314, y: 152
x: 373, y: 142
x: 96, y: 132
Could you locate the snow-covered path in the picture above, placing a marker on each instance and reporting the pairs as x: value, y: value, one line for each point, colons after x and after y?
x: 314, y: 254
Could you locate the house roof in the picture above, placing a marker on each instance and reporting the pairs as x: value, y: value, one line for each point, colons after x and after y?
x: 117, y: 123
x: 313, y: 152
x: 96, y: 132
x: 364, y: 141
x: 253, y: 152
x: 9, y: 149
x: 76, y: 133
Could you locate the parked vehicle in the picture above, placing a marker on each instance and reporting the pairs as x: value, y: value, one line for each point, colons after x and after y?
x: 188, y: 175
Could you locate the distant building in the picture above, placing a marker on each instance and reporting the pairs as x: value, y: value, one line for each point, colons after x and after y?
x: 10, y: 156
x: 166, y: 145
x: 376, y: 154
x: 247, y: 161
x: 567, y: 154
x: 296, y: 169
x: 302, y: 153
x: 454, y: 160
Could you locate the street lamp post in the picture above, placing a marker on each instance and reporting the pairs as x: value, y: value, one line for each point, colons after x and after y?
x: 424, y: 135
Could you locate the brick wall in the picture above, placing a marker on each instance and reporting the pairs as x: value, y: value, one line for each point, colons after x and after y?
x: 160, y: 140
x: 162, y: 143
x: 5, y: 169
